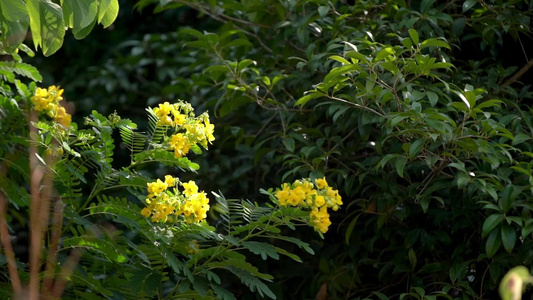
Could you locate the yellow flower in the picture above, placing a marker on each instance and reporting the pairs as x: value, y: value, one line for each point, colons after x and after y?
x: 62, y: 117
x: 180, y: 144
x: 321, y: 183
x: 55, y: 92
x: 320, y: 219
x: 283, y: 195
x: 320, y: 201
x: 146, y: 212
x: 162, y: 113
x: 169, y: 180
x: 156, y: 188
x: 190, y: 188
x: 209, y: 130
x: 179, y: 119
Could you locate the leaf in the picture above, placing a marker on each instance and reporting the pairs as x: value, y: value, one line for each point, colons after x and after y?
x: 416, y: 147
x: 263, y: 249
x: 46, y: 24
x: 21, y: 69
x: 508, y: 237
x: 433, y: 98
x: 340, y: 59
x: 323, y: 10
x: 506, y: 200
x: 493, y: 243
x: 462, y: 180
x: 383, y: 53
x: 425, y: 5
x: 414, y: 35
x: 14, y: 22
x: 490, y: 223
x: 520, y: 138
x: 308, y: 97
x: 468, y: 4
x: 288, y: 142
x: 84, y: 13
x: 400, y: 165
x: 107, y: 12
x: 434, y: 42
x: 252, y: 282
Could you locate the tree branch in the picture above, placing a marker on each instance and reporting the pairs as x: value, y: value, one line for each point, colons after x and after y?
x: 518, y: 74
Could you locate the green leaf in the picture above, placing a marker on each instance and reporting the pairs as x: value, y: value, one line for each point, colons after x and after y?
x: 107, y: 12
x: 416, y: 147
x: 21, y: 69
x: 490, y: 223
x: 84, y: 13
x: 462, y: 180
x: 383, y: 53
x: 425, y: 5
x: 508, y: 237
x: 520, y: 138
x: 414, y: 35
x: 434, y: 42
x: 493, y: 243
x: 433, y: 98
x: 14, y: 22
x: 468, y: 4
x: 400, y: 164
x: 323, y: 10
x: 46, y: 23
x: 288, y: 142
x: 83, y: 32
x: 340, y: 59
x: 506, y: 200
x: 308, y: 97
x: 263, y: 249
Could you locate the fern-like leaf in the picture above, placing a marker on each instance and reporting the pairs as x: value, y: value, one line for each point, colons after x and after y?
x: 133, y: 140
x: 155, y: 132
x: 22, y: 69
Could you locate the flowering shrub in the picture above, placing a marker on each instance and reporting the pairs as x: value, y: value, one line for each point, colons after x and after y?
x: 153, y: 237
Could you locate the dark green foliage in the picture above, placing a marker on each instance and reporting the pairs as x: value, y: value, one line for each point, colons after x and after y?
x: 417, y: 110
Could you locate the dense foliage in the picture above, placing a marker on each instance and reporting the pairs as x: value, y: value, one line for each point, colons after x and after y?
x: 416, y: 110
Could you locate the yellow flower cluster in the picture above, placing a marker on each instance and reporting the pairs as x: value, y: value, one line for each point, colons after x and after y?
x: 47, y: 101
x: 317, y: 197
x: 188, y: 129
x: 167, y: 203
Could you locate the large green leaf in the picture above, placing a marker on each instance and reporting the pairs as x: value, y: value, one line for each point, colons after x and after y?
x: 83, y: 13
x: 107, y: 12
x: 46, y: 24
x: 14, y: 22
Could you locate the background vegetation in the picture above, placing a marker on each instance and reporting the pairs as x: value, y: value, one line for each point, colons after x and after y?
x: 416, y: 110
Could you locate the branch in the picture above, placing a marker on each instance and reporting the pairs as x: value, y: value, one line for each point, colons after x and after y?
x: 66, y: 271
x: 57, y: 223
x: 6, y: 242
x: 36, y: 174
x: 518, y: 74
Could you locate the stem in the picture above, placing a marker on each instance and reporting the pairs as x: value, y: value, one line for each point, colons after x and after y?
x: 66, y: 271
x: 6, y: 242
x: 35, y: 221
x: 51, y: 262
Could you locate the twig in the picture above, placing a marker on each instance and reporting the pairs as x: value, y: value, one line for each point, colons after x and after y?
x: 36, y: 174
x: 66, y: 271
x: 356, y: 105
x: 518, y: 74
x: 57, y: 222
x: 6, y: 242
